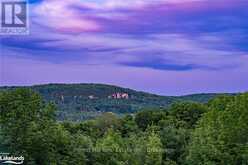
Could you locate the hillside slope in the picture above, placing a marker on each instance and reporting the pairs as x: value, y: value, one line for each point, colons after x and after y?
x: 83, y: 101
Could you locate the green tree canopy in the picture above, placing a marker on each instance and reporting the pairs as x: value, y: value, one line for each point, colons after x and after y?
x: 221, y: 136
x: 149, y: 117
x: 187, y: 112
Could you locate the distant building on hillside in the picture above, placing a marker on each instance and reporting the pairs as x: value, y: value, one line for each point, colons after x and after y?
x: 92, y: 97
x: 62, y: 98
x: 119, y: 96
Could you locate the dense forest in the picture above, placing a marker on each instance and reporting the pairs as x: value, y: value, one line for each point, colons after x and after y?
x: 77, y: 102
x: 185, y: 133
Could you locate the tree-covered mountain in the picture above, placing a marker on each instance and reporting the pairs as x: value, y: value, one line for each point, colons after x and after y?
x: 83, y: 101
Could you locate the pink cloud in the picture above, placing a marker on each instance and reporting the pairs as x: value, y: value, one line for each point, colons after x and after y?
x: 60, y: 15
x: 84, y: 16
x: 134, y: 4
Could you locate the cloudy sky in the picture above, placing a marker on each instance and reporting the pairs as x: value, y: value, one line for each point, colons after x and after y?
x: 169, y: 47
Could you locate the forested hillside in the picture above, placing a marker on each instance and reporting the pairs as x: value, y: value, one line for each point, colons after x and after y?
x: 185, y: 133
x: 84, y: 101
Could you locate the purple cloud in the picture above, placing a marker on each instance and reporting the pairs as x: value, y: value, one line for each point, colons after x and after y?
x: 120, y: 42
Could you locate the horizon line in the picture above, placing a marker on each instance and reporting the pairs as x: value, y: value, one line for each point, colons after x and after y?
x: 119, y: 86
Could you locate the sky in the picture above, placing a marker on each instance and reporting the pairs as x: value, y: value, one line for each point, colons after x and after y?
x: 168, y: 47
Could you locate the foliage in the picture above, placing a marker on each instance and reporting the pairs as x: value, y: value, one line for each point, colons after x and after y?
x: 111, y: 149
x: 187, y: 112
x: 174, y: 142
x: 147, y: 118
x: 29, y: 129
x: 221, y: 136
x: 184, y: 134
x: 153, y: 149
x: 74, y: 104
